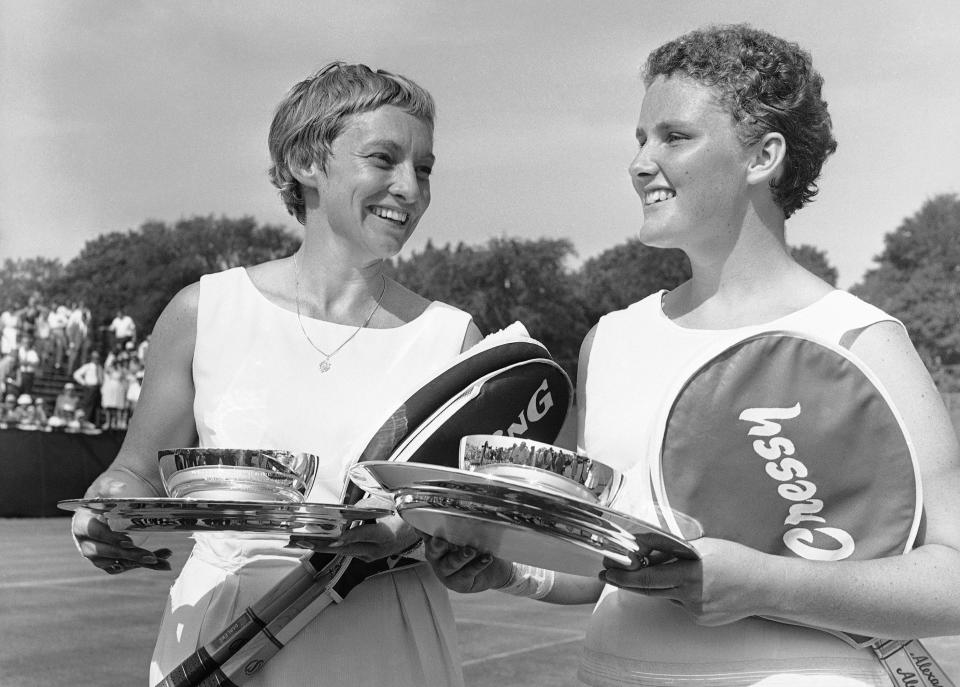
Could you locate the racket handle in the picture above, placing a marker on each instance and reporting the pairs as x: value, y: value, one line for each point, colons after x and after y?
x: 211, y: 656
x: 196, y: 667
x: 216, y: 679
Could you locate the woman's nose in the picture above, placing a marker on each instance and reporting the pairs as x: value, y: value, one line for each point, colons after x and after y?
x: 642, y: 163
x: 641, y: 170
x: 405, y: 183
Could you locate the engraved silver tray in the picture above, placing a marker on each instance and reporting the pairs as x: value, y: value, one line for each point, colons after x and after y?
x: 549, y: 531
x: 196, y: 515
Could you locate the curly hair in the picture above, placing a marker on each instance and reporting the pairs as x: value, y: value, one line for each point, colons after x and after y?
x: 315, y: 111
x: 766, y: 84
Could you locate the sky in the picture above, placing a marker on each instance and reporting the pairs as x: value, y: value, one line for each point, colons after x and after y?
x: 115, y: 112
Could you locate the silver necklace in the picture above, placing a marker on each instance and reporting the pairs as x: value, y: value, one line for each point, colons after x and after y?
x: 325, y: 364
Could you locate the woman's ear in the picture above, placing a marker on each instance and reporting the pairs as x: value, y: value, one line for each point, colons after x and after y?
x: 767, y: 162
x: 307, y: 176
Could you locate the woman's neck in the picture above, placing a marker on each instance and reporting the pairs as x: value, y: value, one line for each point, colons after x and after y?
x: 756, y: 280
x: 334, y: 289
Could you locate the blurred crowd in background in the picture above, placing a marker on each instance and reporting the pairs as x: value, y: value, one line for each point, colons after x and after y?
x: 58, y: 373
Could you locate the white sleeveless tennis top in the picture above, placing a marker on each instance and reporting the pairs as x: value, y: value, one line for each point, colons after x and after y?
x: 258, y: 385
x: 635, y: 359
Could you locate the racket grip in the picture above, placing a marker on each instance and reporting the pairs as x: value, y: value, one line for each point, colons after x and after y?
x: 211, y: 656
x: 196, y: 667
x: 216, y: 679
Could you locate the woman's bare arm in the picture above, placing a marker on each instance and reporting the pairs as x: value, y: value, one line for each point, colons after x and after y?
x: 163, y: 419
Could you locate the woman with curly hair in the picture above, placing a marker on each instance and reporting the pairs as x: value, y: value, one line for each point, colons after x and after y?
x: 732, y: 135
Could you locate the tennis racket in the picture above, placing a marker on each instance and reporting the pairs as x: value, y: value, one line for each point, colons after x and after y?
x: 507, y: 372
x: 792, y: 446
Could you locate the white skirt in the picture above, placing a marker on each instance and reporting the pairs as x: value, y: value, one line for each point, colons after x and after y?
x: 394, y: 629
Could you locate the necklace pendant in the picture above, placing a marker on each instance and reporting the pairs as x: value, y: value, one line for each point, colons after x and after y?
x: 324, y: 366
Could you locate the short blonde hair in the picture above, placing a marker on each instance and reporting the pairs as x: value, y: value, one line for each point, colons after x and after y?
x: 314, y: 112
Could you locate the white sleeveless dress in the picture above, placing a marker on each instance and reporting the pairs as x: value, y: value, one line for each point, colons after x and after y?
x: 632, y: 639
x: 258, y: 386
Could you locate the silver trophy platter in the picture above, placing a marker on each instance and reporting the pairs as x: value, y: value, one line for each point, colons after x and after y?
x: 556, y: 521
x: 198, y: 515
x: 554, y: 533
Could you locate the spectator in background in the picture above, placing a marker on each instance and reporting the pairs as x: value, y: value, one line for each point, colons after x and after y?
x: 28, y: 316
x: 24, y: 410
x: 134, y: 381
x: 120, y: 355
x: 65, y: 407
x: 90, y: 378
x: 113, y: 392
x: 9, y: 330
x: 67, y: 402
x: 40, y: 412
x: 8, y: 411
x: 57, y: 319
x: 76, y: 334
x: 29, y: 361
x: 122, y: 329
x: 41, y: 333
x: 32, y: 414
x: 142, y: 351
x: 9, y: 373
x: 80, y: 423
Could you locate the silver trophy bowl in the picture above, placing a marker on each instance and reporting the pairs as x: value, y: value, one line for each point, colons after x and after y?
x: 225, y: 474
x: 540, y: 465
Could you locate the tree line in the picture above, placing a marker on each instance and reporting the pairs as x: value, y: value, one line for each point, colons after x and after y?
x: 916, y: 278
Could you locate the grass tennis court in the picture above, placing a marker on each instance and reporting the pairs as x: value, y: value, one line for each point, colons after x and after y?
x: 62, y: 622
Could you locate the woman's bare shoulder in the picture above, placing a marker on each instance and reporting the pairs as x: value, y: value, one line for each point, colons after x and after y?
x: 181, y: 310
x: 275, y: 280
x: 402, y: 303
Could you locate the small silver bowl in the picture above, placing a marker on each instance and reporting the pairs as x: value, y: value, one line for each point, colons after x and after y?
x: 540, y: 465
x: 226, y: 474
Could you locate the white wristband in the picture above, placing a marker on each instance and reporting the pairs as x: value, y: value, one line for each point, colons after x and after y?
x: 525, y: 580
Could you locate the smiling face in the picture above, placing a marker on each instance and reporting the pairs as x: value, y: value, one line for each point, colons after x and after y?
x: 691, y: 168
x: 376, y: 185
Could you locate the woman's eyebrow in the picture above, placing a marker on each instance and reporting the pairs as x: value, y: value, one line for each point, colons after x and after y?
x: 382, y: 143
x: 664, y: 126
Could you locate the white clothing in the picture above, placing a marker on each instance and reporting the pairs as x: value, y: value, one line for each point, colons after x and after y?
x: 57, y: 319
x: 636, y: 357
x: 142, y: 351
x: 89, y: 374
x: 76, y: 326
x: 9, y: 331
x: 258, y: 386
x: 29, y: 359
x: 133, y: 388
x: 123, y: 327
x: 113, y: 391
x: 42, y: 327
